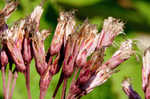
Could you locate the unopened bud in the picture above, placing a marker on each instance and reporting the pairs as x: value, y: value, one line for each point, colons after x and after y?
x: 127, y: 88
x: 64, y: 28
x: 3, y: 58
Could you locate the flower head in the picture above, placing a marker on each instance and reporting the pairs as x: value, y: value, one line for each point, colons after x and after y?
x: 5, y: 13
x: 13, y: 38
x: 71, y: 52
x: 64, y: 28
x: 31, y: 27
x: 111, y: 28
x: 95, y: 75
x: 39, y: 50
x: 146, y: 69
x: 124, y: 53
x: 87, y: 42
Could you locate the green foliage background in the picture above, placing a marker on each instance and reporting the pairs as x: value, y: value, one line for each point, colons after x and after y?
x: 136, y: 16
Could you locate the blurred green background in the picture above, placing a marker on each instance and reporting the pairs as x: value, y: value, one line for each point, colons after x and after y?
x: 134, y: 13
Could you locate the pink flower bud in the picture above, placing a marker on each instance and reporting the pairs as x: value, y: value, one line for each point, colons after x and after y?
x: 124, y: 53
x: 71, y: 52
x: 127, y: 88
x: 27, y: 56
x: 146, y: 69
x: 64, y: 28
x: 13, y: 38
x: 111, y: 28
x: 3, y: 58
x: 39, y: 50
x: 88, y: 43
x: 146, y: 73
x: 70, y: 26
x: 35, y: 16
x: 92, y: 65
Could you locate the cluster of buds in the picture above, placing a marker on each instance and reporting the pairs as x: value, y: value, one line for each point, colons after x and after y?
x: 95, y: 73
x: 78, y: 50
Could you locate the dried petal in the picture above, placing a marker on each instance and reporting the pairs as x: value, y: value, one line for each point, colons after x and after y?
x: 111, y: 28
x: 15, y: 34
x: 64, y: 28
x: 14, y: 38
x: 70, y: 55
x: 88, y: 43
x: 70, y: 26
x: 92, y: 65
x: 9, y: 8
x: 4, y: 14
x: 107, y: 69
x: 124, y: 53
x: 36, y: 15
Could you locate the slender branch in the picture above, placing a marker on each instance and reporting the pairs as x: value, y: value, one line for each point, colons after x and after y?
x: 75, y: 74
x: 4, y: 81
x: 44, y: 84
x: 13, y: 84
x: 70, y: 96
x: 8, y: 83
x: 27, y: 78
x: 64, y: 88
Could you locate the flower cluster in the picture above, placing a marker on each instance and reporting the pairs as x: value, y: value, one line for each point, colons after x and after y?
x: 77, y: 50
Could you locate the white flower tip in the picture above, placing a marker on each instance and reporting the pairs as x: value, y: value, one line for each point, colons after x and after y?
x: 126, y: 49
x: 93, y: 29
x: 45, y: 33
x: 36, y: 14
x: 39, y: 36
x: 65, y: 16
x: 113, y: 25
x: 14, y: 33
x: 88, y: 29
x: 126, y: 83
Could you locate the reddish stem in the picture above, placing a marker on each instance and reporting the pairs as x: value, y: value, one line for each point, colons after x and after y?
x: 70, y: 96
x: 13, y: 84
x: 4, y: 81
x: 64, y: 88
x: 75, y: 74
x: 8, y: 83
x: 44, y: 86
x: 27, y: 78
